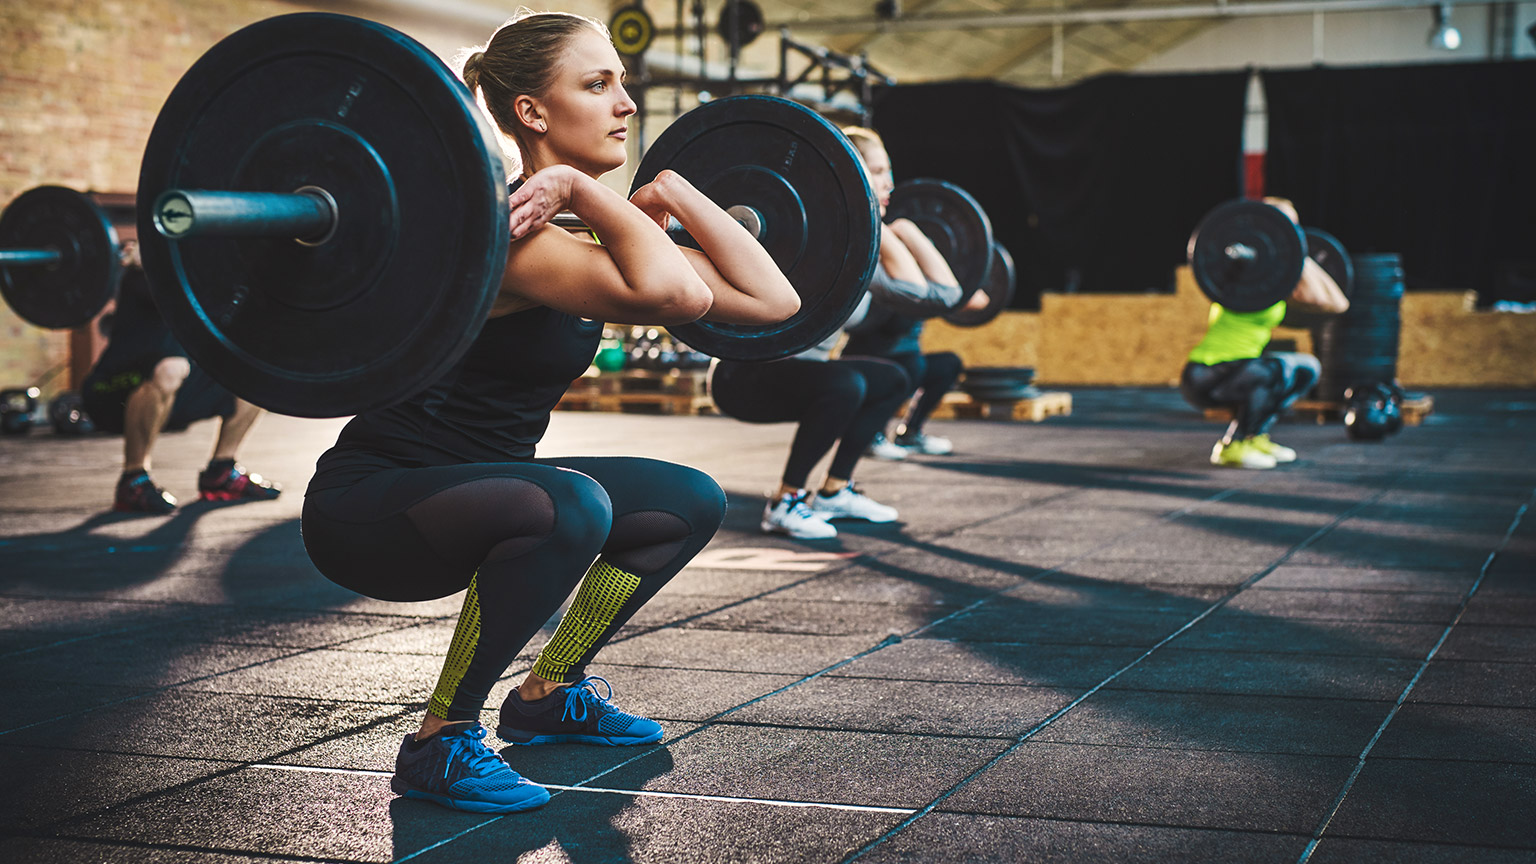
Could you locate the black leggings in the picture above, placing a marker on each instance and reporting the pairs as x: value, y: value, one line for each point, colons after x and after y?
x: 526, y: 532
x: 1256, y: 390
x: 849, y: 398
x: 932, y: 375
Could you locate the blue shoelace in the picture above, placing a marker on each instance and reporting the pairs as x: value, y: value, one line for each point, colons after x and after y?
x: 469, y: 746
x: 798, y: 507
x: 582, y: 693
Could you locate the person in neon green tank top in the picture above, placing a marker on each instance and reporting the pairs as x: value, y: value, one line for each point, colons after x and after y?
x: 1230, y: 369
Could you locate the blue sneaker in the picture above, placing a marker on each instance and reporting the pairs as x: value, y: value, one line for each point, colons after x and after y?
x: 455, y: 769
x: 575, y: 715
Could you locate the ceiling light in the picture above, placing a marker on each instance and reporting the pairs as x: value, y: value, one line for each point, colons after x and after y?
x: 1444, y: 36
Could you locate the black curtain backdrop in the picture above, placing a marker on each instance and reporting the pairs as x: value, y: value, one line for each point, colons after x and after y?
x: 1093, y: 187
x: 1437, y: 163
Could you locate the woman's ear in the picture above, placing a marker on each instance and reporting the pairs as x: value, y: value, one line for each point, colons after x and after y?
x: 530, y: 114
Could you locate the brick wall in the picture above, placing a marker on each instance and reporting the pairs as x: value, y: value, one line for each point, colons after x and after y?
x: 80, y: 85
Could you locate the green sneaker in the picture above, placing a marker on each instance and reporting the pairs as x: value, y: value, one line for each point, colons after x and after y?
x: 1240, y: 454
x: 1277, y: 452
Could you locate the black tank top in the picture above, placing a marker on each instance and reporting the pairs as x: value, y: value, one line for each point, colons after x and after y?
x: 492, y: 406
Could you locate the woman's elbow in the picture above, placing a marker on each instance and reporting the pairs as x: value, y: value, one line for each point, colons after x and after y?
x: 785, y: 306
x: 685, y: 303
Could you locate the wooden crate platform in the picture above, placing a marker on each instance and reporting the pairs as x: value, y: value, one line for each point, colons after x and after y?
x: 640, y: 391
x: 960, y: 406
x: 1414, y: 410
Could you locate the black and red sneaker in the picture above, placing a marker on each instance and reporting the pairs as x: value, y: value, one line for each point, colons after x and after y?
x: 136, y: 493
x: 234, y: 483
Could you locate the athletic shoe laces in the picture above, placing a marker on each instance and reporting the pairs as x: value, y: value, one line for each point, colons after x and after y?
x: 798, y: 507
x: 468, y: 747
x: 583, y: 693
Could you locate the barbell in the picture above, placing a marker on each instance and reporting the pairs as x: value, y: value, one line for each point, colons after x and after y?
x: 1000, y: 287
x: 1248, y: 255
x: 1329, y: 254
x: 329, y: 220
x: 954, y: 222
x: 329, y: 225
x: 59, y: 257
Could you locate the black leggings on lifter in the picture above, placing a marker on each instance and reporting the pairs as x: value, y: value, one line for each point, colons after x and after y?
x: 932, y: 375
x: 1256, y: 390
x: 524, y: 532
x: 849, y: 398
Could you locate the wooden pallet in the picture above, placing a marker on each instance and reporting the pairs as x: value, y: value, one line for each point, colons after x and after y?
x: 1414, y: 410
x: 640, y: 391
x: 960, y: 406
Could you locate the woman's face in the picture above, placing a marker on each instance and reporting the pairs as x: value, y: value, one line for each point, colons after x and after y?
x: 877, y: 164
x: 587, y: 107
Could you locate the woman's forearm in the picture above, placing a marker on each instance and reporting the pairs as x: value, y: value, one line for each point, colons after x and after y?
x: 933, y: 265
x: 1317, y: 290
x: 650, y: 263
x: 751, y: 288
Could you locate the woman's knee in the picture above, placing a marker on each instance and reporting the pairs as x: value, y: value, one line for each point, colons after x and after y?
x: 583, y: 513
x: 1308, y: 371
x: 842, y: 386
x: 882, y: 379
x: 1197, y: 385
x: 703, y: 501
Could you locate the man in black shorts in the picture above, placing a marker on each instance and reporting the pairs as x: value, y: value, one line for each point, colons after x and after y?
x: 143, y: 383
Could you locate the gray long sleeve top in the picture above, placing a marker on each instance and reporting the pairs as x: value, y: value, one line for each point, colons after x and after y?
x: 916, y: 299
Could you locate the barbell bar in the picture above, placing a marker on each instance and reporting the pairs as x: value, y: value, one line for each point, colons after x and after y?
x: 295, y: 183
x: 330, y: 226
x: 1248, y: 255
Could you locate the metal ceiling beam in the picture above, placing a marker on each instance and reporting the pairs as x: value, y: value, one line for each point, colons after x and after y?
x: 1001, y: 65
x: 1094, y: 16
x: 861, y: 40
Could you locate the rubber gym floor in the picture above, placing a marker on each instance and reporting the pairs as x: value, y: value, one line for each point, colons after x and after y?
x: 1081, y: 643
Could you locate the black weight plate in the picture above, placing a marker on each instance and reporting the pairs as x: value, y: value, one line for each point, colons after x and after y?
x: 749, y: 22
x: 1000, y: 286
x: 1247, y: 285
x: 1329, y: 254
x: 820, y: 220
x: 70, y: 292
x: 956, y: 224
x: 394, y: 298
x: 632, y: 30
x: 1000, y: 393
x: 999, y: 376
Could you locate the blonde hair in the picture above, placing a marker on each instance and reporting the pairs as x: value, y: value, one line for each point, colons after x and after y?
x: 520, y: 59
x: 1284, y: 205
x: 863, y: 139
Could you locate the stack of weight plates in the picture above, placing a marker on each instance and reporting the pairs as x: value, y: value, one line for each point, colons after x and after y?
x: 1359, y: 348
x: 999, y: 383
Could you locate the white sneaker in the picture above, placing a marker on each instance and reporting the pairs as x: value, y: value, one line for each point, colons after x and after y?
x: 790, y: 515
x: 928, y: 445
x: 849, y: 503
x: 882, y: 448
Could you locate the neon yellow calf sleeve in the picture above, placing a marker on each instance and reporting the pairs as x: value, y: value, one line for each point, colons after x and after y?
x: 602, y: 593
x: 466, y: 638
